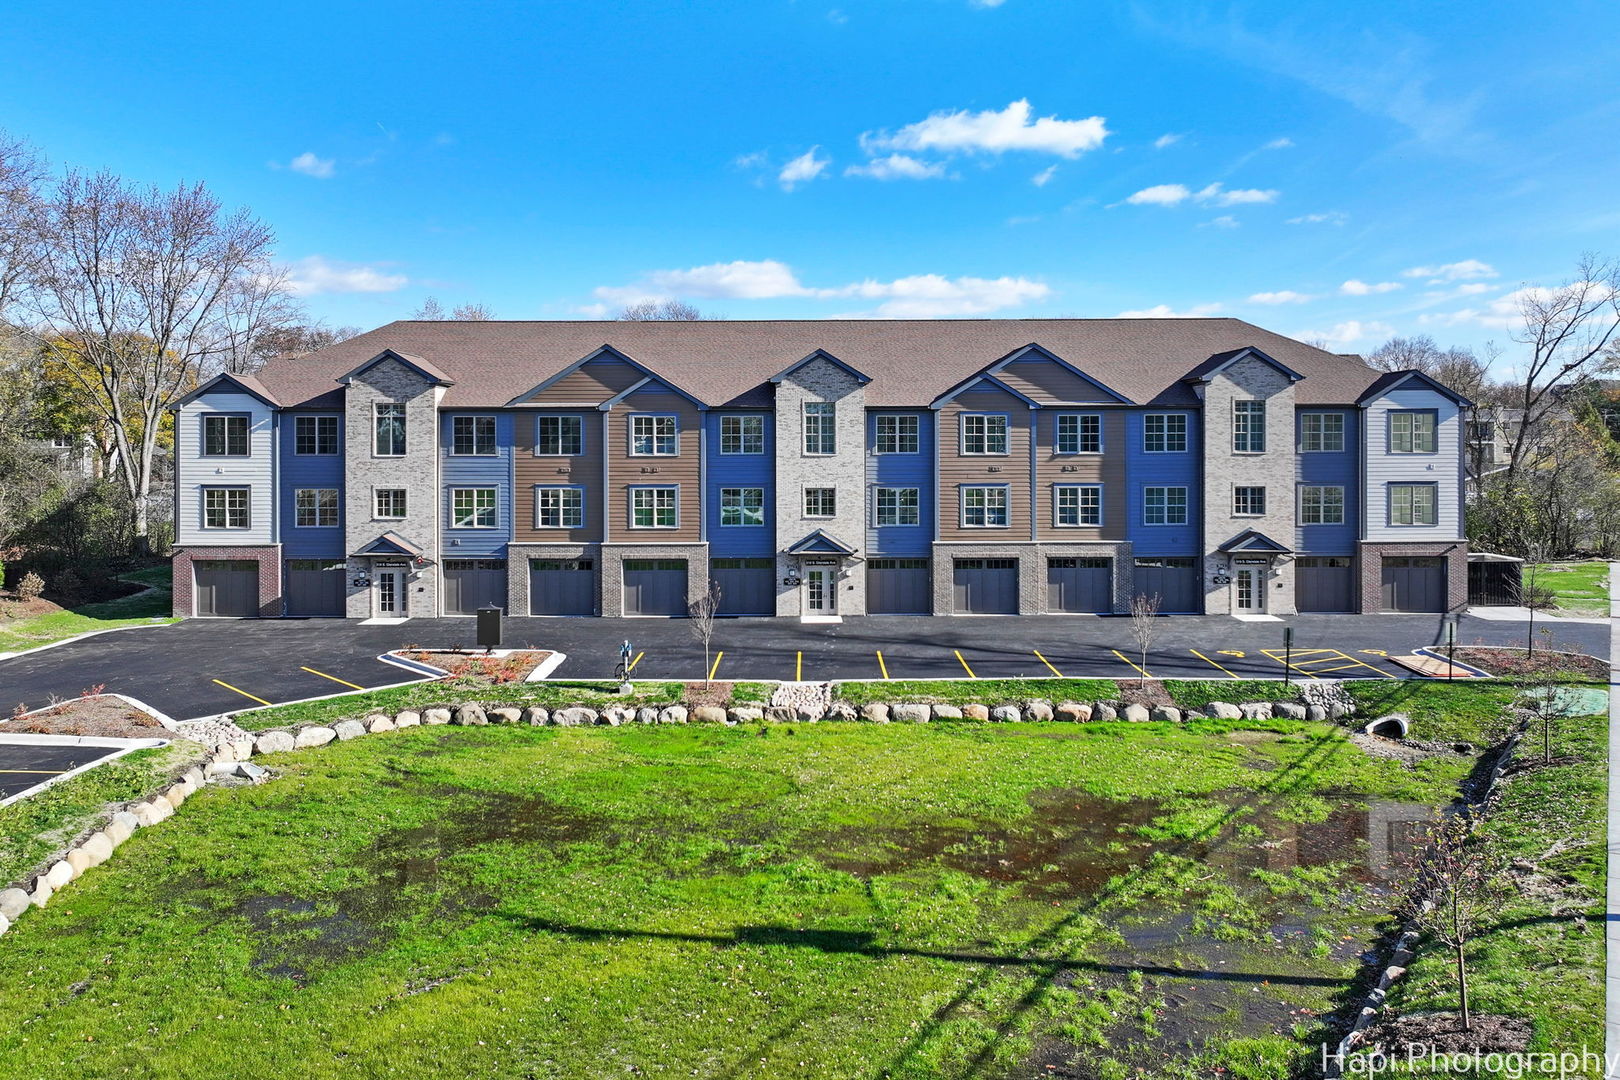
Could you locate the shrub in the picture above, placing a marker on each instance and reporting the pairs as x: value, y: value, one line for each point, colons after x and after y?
x: 1539, y: 597
x: 31, y: 586
x: 67, y: 585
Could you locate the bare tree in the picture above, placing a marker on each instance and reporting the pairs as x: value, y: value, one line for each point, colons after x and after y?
x: 294, y: 340
x: 1145, y: 625
x: 21, y: 175
x: 703, y: 612
x: 1453, y: 887
x: 661, y: 311
x: 1459, y: 369
x: 433, y: 311
x: 430, y: 311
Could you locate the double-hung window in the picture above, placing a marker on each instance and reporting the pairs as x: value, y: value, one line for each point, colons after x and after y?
x: 1076, y: 505
x: 472, y: 508
x: 742, y: 506
x: 1321, y: 505
x: 224, y: 435
x: 315, y: 508
x: 1164, y: 433
x: 984, y: 433
x: 1164, y: 506
x: 820, y: 502
x: 819, y: 429
x: 1320, y: 432
x: 472, y: 435
x: 559, y: 508
x: 984, y: 507
x: 1248, y: 501
x: 1079, y: 433
x: 742, y: 434
x: 1412, y: 431
x: 897, y: 506
x: 654, y: 508
x: 225, y: 508
x: 388, y: 429
x: 1414, y: 504
x: 315, y: 435
x: 1249, y: 427
x: 653, y: 436
x: 897, y: 434
x: 558, y: 436
x: 389, y: 503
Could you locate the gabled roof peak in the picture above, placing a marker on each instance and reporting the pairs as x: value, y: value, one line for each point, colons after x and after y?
x: 416, y: 363
x: 821, y: 354
x: 1223, y: 360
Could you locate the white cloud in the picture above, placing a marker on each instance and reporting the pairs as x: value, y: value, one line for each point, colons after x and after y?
x: 1348, y: 332
x: 1473, y: 290
x: 310, y: 165
x: 1160, y: 195
x: 898, y: 167
x: 1354, y: 287
x: 837, y: 17
x: 1237, y: 196
x: 1225, y: 221
x: 739, y: 280
x: 1331, y: 217
x: 1169, y: 138
x: 1041, y: 178
x: 1282, y: 296
x: 807, y: 166
x: 1214, y: 194
x: 986, y: 3
x: 756, y: 160
x: 1465, y: 270
x: 1165, y: 311
x: 316, y: 274
x: 1279, y: 144
x: 993, y: 132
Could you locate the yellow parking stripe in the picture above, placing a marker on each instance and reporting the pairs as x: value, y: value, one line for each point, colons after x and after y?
x: 964, y: 663
x: 634, y: 662
x: 244, y: 693
x: 1206, y: 659
x: 882, y: 666
x: 798, y: 666
x: 1273, y: 654
x: 716, y: 665
x: 1048, y: 664
x: 334, y: 678
x: 1128, y: 660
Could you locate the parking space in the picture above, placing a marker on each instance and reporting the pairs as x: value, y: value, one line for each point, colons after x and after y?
x: 26, y: 765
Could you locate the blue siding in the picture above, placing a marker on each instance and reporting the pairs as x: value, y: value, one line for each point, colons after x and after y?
x: 307, y: 471
x: 467, y: 471
x: 1338, y: 469
x: 738, y: 470
x: 1153, y: 470
x: 902, y: 470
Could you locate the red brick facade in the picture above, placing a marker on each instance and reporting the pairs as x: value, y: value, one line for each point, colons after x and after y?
x: 269, y: 560
x: 1371, y: 563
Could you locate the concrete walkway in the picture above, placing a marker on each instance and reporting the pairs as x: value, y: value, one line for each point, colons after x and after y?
x: 1612, y: 922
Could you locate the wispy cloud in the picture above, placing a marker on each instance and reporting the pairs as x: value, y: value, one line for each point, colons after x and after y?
x: 1330, y: 217
x: 1279, y: 144
x: 1165, y: 311
x: 1041, y: 178
x: 1465, y: 270
x: 898, y: 167
x: 1282, y: 296
x: 1211, y: 194
x: 992, y: 131
x: 310, y: 164
x: 1348, y: 332
x: 986, y: 3
x: 806, y: 167
x: 1225, y: 221
x: 1355, y: 287
x: 1169, y: 138
x: 315, y: 274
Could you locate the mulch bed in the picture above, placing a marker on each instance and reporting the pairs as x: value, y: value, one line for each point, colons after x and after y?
x: 493, y: 670
x: 13, y: 606
x: 1516, y: 663
x: 101, y: 716
x: 711, y: 693
x: 1442, y: 1032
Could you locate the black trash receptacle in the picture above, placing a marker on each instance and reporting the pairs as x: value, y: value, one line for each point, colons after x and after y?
x: 489, y: 628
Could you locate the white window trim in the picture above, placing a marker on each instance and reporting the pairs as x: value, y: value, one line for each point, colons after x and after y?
x: 375, y: 516
x: 961, y: 435
x: 630, y: 494
x: 579, y: 420
x: 630, y: 433
x: 202, y: 434
x: 1057, y: 423
x: 877, y: 524
x: 1186, y: 433
x: 1321, y: 487
x: 578, y: 488
x: 742, y: 524
x: 495, y: 446
x: 495, y: 506
x: 962, y: 506
x: 1098, y: 488
x: 1264, y: 500
x: 804, y: 435
x: 1186, y: 505
x: 376, y: 414
x: 1264, y: 418
x: 314, y: 418
x: 721, y: 435
x: 202, y: 508
x: 1344, y: 429
x: 804, y: 501
x: 878, y: 418
x: 337, y: 497
x: 1389, y: 504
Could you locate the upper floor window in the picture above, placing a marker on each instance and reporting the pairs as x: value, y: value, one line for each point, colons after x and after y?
x: 819, y: 432
x: 1248, y: 501
x: 1414, y: 504
x: 898, y: 434
x: 1164, y: 506
x: 225, y: 508
x: 743, y: 434
x: 1481, y: 430
x: 1249, y: 427
x: 559, y: 436
x: 388, y: 503
x: 1079, y: 433
x: 1413, y: 431
x: 820, y: 502
x: 559, y: 508
x: 742, y: 506
x: 472, y: 435
x: 315, y: 508
x: 63, y: 442
x: 653, y: 436
x: 225, y: 435
x: 1321, y: 431
x: 655, y: 508
x: 315, y: 435
x: 984, y: 507
x: 1164, y: 433
x: 896, y: 506
x: 1077, y: 504
x: 472, y: 508
x: 984, y: 433
x: 1321, y: 505
x: 389, y: 427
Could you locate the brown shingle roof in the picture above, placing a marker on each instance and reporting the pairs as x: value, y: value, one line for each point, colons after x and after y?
x: 911, y: 361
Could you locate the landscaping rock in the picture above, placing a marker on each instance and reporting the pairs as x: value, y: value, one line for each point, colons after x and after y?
x: 5, y: 924
x: 1135, y: 714
x: 841, y: 711
x: 1223, y: 711
x: 126, y: 821
x: 1038, y: 711
x: 1072, y: 712
x: 1166, y: 714
x: 1006, y: 714
x: 875, y: 712
x: 1104, y: 711
x: 470, y: 716
x: 348, y: 729
x: 377, y: 723
x: 98, y: 848
x: 1257, y: 710
x: 310, y: 736
x: 708, y: 714
x: 60, y: 873
x: 1316, y: 713
x: 42, y: 892
x: 13, y: 902
x: 910, y: 714
x: 162, y: 809
x: 535, y: 716
x: 435, y: 716
x: 646, y: 715
x: 505, y: 714
x: 976, y: 712
x: 143, y: 813
x: 1291, y: 710
x: 614, y: 715
x: 78, y: 861
x: 780, y: 714
x: 242, y: 749
x: 947, y: 712
x: 177, y: 795
x: 1339, y: 710
x: 809, y: 714
x: 673, y: 714
x: 745, y: 714
x: 578, y: 716
x: 408, y: 718
x: 1192, y: 714
x: 273, y: 742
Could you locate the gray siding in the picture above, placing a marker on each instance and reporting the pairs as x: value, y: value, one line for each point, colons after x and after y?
x: 193, y: 472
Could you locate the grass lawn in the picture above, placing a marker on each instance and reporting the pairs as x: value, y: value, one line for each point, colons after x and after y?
x: 1582, y: 588
x: 139, y: 609
x: 936, y: 900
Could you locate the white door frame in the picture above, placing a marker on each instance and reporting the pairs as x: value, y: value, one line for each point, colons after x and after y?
x: 1256, y: 575
x: 827, y: 577
x: 399, y: 578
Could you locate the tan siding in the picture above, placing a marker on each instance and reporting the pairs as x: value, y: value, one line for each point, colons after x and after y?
x: 584, y: 471
x: 955, y: 469
x: 627, y: 471
x: 1046, y: 382
x: 1107, y: 468
x: 592, y: 384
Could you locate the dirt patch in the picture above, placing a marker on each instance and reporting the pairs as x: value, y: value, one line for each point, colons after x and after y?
x: 1516, y: 663
x: 13, y: 606
x: 101, y: 716
x: 1442, y: 1032
x: 480, y: 669
x: 710, y: 693
x: 1144, y: 692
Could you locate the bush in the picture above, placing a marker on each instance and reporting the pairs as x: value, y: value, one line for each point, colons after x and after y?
x: 1539, y: 597
x: 68, y: 586
x: 31, y: 586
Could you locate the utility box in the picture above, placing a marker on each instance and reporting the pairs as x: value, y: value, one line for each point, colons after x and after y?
x: 489, y: 628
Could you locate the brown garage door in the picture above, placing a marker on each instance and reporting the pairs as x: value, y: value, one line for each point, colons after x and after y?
x: 1414, y: 583
x: 226, y: 588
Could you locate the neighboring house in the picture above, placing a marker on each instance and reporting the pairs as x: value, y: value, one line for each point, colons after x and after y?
x: 73, y: 455
x: 819, y: 468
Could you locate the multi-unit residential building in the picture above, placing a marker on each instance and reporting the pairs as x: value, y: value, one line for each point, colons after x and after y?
x: 819, y: 469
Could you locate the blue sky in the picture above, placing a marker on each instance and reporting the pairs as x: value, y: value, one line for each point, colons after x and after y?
x: 1331, y: 171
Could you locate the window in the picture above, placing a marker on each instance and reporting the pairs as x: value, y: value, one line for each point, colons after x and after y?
x: 315, y: 435
x: 1164, y: 433
x: 315, y: 508
x: 742, y: 434
x: 1413, y: 504
x: 818, y: 428
x: 653, y: 436
x: 984, y: 507
x: 390, y: 502
x: 1412, y: 431
x: 472, y: 508
x: 62, y: 442
x: 1248, y: 501
x: 1077, y: 504
x: 820, y: 502
x: 898, y: 435
x: 742, y: 506
x: 1249, y: 427
x: 654, y: 508
x: 1481, y: 430
x: 559, y: 436
x: 1079, y: 433
x: 897, y: 506
x: 1164, y: 506
x: 1320, y: 505
x: 225, y: 508
x: 389, y: 427
x: 559, y: 508
x: 984, y: 434
x: 225, y: 436
x: 472, y: 435
x: 1321, y: 431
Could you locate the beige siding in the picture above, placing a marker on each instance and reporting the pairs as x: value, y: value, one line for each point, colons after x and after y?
x: 1042, y: 380
x: 583, y: 471
x: 957, y: 470
x: 1106, y: 468
x: 592, y: 384
x: 627, y: 470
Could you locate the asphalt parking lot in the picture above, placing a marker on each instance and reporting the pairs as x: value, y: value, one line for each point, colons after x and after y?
x: 22, y: 765
x: 204, y: 667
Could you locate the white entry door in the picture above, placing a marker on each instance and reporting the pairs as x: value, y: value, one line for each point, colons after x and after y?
x: 1250, y: 585
x: 820, y: 591
x: 388, y: 594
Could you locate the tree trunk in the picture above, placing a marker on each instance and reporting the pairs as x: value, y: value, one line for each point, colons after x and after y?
x: 1462, y: 991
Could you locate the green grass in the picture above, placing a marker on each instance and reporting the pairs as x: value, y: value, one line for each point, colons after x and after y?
x: 1197, y: 693
x: 140, y: 609
x: 1439, y: 711
x: 980, y: 691
x: 822, y: 900
x: 1582, y: 588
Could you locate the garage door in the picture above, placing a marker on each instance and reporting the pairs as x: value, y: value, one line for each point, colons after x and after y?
x: 655, y: 586
x: 1325, y: 583
x: 562, y: 587
x: 986, y: 586
x: 470, y: 584
x: 1174, y: 579
x: 226, y: 587
x: 314, y: 587
x: 1080, y: 584
x: 1414, y: 583
x: 898, y: 587
x: 747, y: 586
